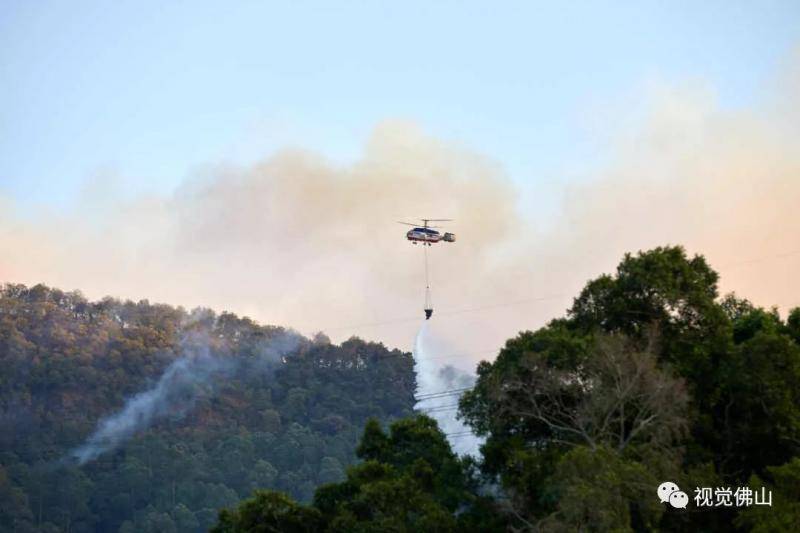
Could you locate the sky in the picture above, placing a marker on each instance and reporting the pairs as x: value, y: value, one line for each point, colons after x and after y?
x: 150, y: 91
x: 148, y: 137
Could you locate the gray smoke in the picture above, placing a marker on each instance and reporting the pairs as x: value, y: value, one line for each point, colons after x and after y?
x: 190, y: 377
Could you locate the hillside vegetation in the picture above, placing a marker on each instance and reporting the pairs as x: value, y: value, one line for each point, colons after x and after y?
x: 650, y: 377
x: 289, y: 421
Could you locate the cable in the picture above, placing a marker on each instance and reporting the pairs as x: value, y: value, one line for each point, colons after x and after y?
x: 505, y: 304
x: 462, y: 354
x: 453, y: 392
x: 439, y: 396
x: 460, y: 434
x: 448, y: 356
x: 436, y: 409
x: 760, y: 259
x: 446, y: 391
x: 445, y: 313
x: 431, y: 395
x: 428, y: 303
x: 523, y: 301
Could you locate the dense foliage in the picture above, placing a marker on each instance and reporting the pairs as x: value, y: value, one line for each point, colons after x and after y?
x: 409, y: 480
x: 66, y: 363
x: 650, y: 377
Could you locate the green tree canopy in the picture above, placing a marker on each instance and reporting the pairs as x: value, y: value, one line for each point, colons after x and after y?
x: 410, y: 481
x: 649, y: 373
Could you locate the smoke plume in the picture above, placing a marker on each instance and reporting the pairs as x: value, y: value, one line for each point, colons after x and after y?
x: 188, y: 378
x: 301, y: 241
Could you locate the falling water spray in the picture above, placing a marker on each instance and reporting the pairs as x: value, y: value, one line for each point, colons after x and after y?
x: 435, y: 381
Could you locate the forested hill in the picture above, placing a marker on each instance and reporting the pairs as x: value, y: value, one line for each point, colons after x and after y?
x: 650, y: 376
x: 256, y: 417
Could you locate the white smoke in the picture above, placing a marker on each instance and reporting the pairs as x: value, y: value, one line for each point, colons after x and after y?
x: 439, y: 387
x: 184, y: 381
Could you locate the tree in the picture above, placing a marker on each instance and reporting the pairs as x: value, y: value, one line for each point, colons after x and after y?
x: 784, y: 514
x: 263, y: 422
x: 608, y: 406
x: 666, y: 289
x: 600, y: 490
x: 757, y: 411
x: 262, y: 475
x: 15, y: 513
x: 184, y: 519
x: 615, y: 397
x: 722, y: 384
x: 330, y: 471
x: 410, y: 481
x: 268, y: 512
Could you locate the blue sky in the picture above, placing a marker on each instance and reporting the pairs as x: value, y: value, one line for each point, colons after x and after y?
x: 151, y: 91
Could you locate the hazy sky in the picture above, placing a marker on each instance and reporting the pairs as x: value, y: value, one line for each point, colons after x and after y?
x: 150, y: 91
x: 143, y: 154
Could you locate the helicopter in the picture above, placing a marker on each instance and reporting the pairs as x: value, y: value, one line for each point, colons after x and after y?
x: 426, y: 234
